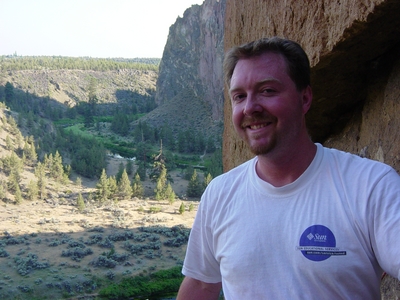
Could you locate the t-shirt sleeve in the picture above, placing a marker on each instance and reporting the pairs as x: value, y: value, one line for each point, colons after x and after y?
x: 200, y: 262
x: 385, y: 222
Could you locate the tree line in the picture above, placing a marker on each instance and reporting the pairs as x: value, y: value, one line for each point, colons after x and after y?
x: 113, y: 188
x: 88, y: 154
x: 13, y: 62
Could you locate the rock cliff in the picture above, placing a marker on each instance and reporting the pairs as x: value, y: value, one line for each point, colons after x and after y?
x: 192, y: 63
x: 354, y: 49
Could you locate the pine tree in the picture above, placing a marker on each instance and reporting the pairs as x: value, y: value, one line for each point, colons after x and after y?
x: 207, y: 180
x: 29, y: 152
x: 191, y: 207
x: 33, y: 190
x: 78, y: 182
x: 9, y: 93
x: 129, y: 167
x: 80, y: 203
x: 170, y: 194
x: 195, y: 188
x: 18, y: 195
x: 2, y: 190
x: 56, y: 167
x: 9, y: 143
x: 121, y: 169
x: 124, y: 186
x: 161, y: 183
x: 40, y: 173
x: 103, y: 189
x: 182, y: 208
x: 113, y: 186
x: 13, y: 182
x: 142, y: 170
x: 137, y: 187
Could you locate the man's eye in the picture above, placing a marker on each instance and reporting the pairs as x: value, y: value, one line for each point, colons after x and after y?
x: 239, y: 97
x: 268, y: 91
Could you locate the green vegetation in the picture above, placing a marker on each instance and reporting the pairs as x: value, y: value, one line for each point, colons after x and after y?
x: 73, y: 63
x: 154, y: 286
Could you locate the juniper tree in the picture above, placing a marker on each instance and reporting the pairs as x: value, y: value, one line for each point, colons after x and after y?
x: 40, y: 173
x: 161, y: 184
x: 9, y: 143
x: 56, y: 168
x: 142, y: 170
x: 182, y: 208
x: 207, y: 180
x: 137, y: 187
x: 113, y: 186
x: 129, y: 167
x: 18, y: 195
x: 124, y: 186
x: 2, y: 190
x: 29, y: 152
x: 80, y: 203
x: 103, y: 189
x: 195, y: 188
x: 121, y: 169
x: 33, y: 190
x: 78, y: 182
x: 170, y: 194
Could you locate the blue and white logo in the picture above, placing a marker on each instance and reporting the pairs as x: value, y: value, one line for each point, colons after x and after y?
x: 318, y: 243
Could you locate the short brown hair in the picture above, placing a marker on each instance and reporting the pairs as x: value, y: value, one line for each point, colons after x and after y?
x: 296, y: 59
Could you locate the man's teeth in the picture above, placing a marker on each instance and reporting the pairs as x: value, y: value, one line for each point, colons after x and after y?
x: 258, y: 126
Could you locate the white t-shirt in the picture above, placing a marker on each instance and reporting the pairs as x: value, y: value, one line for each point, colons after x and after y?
x: 328, y: 235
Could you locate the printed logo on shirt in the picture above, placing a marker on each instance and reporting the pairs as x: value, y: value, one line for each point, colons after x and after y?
x: 318, y: 243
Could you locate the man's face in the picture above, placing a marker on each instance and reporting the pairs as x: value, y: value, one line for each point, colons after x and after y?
x: 267, y: 109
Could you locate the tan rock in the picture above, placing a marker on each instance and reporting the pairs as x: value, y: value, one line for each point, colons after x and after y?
x: 353, y: 46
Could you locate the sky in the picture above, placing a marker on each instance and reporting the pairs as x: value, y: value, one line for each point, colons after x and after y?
x: 94, y: 28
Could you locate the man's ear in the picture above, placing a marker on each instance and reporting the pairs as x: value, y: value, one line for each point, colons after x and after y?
x: 307, y: 99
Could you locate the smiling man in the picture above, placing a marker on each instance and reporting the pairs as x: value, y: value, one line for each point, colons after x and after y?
x: 298, y: 221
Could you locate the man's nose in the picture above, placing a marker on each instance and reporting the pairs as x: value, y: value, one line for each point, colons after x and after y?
x: 252, y: 105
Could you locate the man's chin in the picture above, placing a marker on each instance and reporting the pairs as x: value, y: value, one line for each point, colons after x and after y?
x: 260, y: 149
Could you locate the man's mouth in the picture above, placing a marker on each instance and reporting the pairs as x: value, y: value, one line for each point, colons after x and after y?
x: 258, y: 126
x: 255, y: 126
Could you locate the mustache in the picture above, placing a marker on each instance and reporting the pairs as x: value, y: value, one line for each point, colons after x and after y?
x: 250, y: 120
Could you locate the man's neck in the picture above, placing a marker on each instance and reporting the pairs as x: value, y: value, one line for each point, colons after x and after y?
x: 284, y: 169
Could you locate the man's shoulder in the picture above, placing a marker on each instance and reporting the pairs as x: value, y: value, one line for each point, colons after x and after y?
x: 235, y: 173
x: 242, y: 168
x: 353, y: 161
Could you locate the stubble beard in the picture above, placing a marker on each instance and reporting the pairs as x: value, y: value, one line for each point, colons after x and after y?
x: 252, y: 140
x: 261, y: 148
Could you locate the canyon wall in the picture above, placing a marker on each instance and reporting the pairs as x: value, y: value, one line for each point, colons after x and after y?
x: 354, y: 50
x: 192, y: 57
x: 354, y: 54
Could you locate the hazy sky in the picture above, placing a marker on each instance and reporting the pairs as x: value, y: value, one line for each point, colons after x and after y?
x: 95, y: 28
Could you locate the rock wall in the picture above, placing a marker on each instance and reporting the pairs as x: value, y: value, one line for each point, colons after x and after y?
x: 192, y: 57
x: 352, y: 46
x: 354, y: 50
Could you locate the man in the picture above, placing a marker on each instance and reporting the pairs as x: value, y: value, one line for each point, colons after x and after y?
x: 298, y: 221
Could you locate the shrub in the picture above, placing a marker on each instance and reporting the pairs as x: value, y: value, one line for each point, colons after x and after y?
x: 28, y: 264
x: 103, y: 261
x: 157, y: 285
x: 3, y: 253
x: 77, y: 253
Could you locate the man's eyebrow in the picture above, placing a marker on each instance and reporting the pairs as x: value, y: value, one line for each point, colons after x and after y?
x: 268, y: 80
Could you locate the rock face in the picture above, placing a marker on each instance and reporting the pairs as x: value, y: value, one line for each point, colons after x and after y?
x: 354, y: 50
x: 355, y: 70
x: 192, y: 58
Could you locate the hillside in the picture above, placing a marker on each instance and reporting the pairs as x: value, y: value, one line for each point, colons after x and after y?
x: 69, y: 87
x: 50, y: 248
